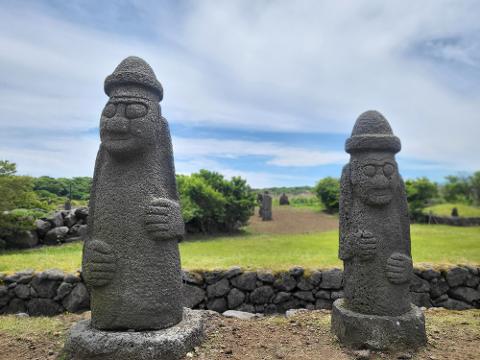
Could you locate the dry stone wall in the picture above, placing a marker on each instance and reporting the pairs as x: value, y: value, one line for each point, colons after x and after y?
x: 52, y: 292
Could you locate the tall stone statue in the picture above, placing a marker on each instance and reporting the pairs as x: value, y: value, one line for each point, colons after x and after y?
x: 375, y: 244
x: 131, y: 260
x: 266, y: 208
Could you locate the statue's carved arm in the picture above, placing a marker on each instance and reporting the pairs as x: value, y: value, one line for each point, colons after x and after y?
x: 99, y: 265
x: 399, y: 268
x: 163, y: 220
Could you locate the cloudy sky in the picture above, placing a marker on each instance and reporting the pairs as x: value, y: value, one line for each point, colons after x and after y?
x: 268, y: 90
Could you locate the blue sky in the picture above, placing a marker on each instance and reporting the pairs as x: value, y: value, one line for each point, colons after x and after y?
x: 268, y: 90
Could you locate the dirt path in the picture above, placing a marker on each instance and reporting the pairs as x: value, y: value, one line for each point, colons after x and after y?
x: 305, y: 336
x: 290, y: 220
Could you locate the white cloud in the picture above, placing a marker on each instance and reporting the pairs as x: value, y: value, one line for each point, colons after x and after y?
x: 303, y: 66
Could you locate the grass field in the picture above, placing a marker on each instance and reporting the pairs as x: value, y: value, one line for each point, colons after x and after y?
x: 431, y: 244
x: 446, y: 210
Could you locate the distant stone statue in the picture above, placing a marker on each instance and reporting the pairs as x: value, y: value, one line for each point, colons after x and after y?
x: 454, y: 212
x: 375, y: 244
x: 131, y: 261
x: 283, y: 200
x: 260, y: 204
x: 266, y: 208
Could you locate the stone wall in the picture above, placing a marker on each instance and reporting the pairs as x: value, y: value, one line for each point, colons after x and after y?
x: 453, y: 220
x: 53, y: 292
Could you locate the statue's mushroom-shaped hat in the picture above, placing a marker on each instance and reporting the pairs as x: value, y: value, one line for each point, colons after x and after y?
x: 134, y: 71
x: 372, y: 132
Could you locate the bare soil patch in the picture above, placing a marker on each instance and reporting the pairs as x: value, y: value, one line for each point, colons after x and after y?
x: 304, y: 336
x: 290, y: 220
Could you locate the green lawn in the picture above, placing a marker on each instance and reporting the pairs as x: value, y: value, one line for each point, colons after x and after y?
x: 440, y: 245
x: 446, y: 210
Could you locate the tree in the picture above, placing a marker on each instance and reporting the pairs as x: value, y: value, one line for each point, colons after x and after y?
x: 328, y: 191
x: 457, y: 189
x: 419, y: 192
x: 7, y: 168
x: 475, y: 187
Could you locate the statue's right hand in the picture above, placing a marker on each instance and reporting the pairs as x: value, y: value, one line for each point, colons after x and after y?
x: 366, y: 245
x: 100, y: 265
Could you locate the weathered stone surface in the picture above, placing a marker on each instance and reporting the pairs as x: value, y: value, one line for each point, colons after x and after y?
x: 430, y: 274
x: 77, y: 300
x: 63, y: 290
x: 453, y: 304
x: 360, y: 331
x: 296, y: 271
x: 418, y: 284
x: 247, y: 308
x: 42, y: 227
x: 334, y: 295
x: 192, y: 295
x: 28, y: 273
x: 438, y: 287
x: 323, y: 294
x: 218, y: 289
x: 56, y: 220
x: 52, y: 274
x: 316, y: 278
x: 266, y: 277
x: 465, y: 294
x: 233, y: 271
x: 332, y: 279
x: 457, y: 276
x: 304, y: 284
x: 192, y: 278
x: 85, y: 342
x: 266, y: 207
x: 247, y: 281
x: 211, y: 277
x: 235, y: 298
x: 323, y: 304
x: 22, y: 240
x: 81, y: 213
x: 22, y: 291
x: 44, y: 287
x: 218, y: 305
x: 281, y: 297
x: 421, y: 299
x: 43, y: 307
x: 56, y: 235
x: 285, y: 283
x: 304, y: 295
x: 261, y: 295
x: 16, y: 306
x: 4, y: 296
x: 131, y: 260
x: 70, y: 278
x: 375, y: 245
x: 242, y: 315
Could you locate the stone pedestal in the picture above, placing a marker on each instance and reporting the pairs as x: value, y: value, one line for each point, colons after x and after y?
x: 87, y: 343
x: 360, y: 331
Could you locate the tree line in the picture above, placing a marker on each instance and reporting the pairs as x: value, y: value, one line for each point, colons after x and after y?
x: 421, y: 192
x: 210, y: 203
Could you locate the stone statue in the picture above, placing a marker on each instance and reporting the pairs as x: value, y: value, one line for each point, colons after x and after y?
x: 283, y: 200
x: 131, y: 260
x: 375, y: 244
x: 266, y: 209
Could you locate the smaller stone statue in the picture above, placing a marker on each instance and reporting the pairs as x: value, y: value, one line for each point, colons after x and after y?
x: 266, y: 209
x: 455, y: 212
x: 375, y: 244
x: 283, y: 200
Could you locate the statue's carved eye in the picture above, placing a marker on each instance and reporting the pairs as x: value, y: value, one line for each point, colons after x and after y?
x: 388, y: 170
x: 135, y: 111
x: 110, y: 110
x: 369, y: 170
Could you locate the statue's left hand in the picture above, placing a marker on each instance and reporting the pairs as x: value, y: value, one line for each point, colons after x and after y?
x: 163, y: 220
x: 399, y: 268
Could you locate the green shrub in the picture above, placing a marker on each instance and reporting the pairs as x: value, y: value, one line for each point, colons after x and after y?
x: 328, y: 191
x: 210, y: 203
x: 420, y: 193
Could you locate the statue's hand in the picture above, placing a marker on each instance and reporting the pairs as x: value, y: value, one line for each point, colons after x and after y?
x: 366, y: 245
x: 399, y: 268
x: 164, y: 220
x: 99, y: 267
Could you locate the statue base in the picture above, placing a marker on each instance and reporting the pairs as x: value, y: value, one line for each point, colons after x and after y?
x: 85, y: 342
x: 360, y: 331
